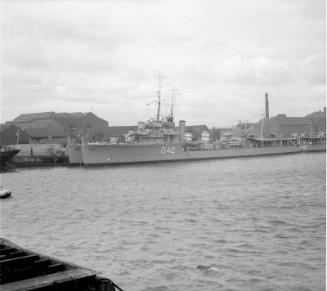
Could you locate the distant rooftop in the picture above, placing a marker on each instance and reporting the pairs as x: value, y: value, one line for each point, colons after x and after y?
x: 50, y: 115
x: 317, y: 114
x: 283, y: 120
x: 43, y: 128
x: 33, y: 116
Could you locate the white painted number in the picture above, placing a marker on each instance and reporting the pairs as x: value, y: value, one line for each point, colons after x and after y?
x: 167, y: 150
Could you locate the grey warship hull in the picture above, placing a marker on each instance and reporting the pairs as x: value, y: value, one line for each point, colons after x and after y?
x: 117, y: 154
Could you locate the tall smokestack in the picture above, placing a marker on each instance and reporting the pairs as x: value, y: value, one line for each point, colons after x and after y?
x: 267, y: 106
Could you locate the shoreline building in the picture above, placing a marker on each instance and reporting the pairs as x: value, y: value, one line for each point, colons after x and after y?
x: 311, y: 125
x: 282, y: 126
x: 51, y: 127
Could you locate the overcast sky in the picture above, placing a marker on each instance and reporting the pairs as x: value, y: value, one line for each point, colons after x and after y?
x: 222, y: 56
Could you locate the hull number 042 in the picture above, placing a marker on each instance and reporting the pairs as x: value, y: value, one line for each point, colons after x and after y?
x: 167, y: 150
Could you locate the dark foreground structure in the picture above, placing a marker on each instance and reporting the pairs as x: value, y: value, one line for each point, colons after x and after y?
x: 6, y: 156
x: 21, y: 269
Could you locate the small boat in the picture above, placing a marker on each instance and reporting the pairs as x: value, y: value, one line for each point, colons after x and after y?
x: 4, y: 193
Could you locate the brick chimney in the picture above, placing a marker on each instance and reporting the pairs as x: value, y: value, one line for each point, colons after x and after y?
x: 267, y: 106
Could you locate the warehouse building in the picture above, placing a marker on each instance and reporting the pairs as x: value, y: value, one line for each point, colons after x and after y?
x: 283, y: 126
x: 51, y: 127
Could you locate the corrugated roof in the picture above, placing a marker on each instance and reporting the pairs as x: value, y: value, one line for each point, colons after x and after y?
x: 77, y: 114
x: 68, y: 120
x: 33, y: 116
x: 318, y: 114
x: 69, y: 123
x: 47, y: 115
x: 42, y: 128
x: 63, y: 115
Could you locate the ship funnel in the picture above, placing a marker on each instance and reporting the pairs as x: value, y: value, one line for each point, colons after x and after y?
x: 181, y: 130
x: 267, y: 106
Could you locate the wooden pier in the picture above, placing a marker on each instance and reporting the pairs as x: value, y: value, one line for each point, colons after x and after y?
x: 24, y: 270
x: 41, y: 155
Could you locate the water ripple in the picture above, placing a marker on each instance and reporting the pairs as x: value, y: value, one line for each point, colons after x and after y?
x: 241, y: 224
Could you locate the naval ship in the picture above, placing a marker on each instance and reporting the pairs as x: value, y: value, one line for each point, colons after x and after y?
x: 158, y: 140
x: 103, y: 154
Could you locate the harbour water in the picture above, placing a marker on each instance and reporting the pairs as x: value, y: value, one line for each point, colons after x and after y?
x: 239, y: 224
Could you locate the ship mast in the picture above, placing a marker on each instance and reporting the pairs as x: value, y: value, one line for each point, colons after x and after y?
x: 159, y: 96
x: 172, y: 103
x: 173, y: 93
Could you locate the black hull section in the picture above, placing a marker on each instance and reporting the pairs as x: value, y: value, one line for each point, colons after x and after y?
x: 22, y: 269
x: 6, y: 158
